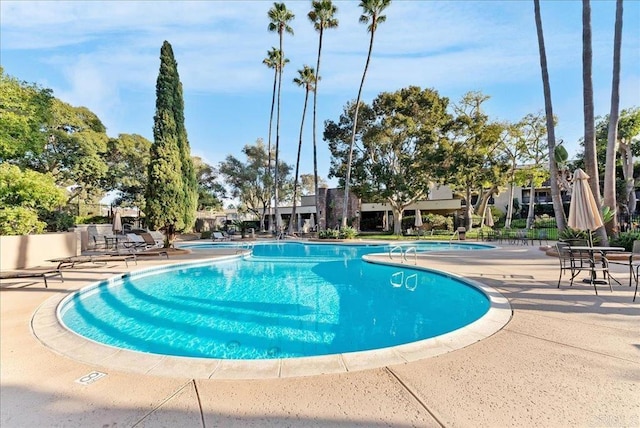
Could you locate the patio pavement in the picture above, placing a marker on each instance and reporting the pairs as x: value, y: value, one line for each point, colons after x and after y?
x: 566, y: 358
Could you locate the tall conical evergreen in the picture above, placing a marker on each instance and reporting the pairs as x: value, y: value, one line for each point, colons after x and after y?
x: 172, y: 191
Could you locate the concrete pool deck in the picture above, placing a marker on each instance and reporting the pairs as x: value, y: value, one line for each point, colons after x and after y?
x: 566, y: 358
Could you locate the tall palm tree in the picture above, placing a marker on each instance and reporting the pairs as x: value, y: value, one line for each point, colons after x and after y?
x: 273, y: 60
x: 556, y: 197
x: 614, y: 115
x: 372, y: 15
x: 307, y: 79
x: 280, y: 17
x: 590, y: 158
x: 322, y: 16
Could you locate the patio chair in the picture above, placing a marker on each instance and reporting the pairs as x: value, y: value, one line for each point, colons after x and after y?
x: 634, y: 265
x: 32, y: 274
x: 572, y: 261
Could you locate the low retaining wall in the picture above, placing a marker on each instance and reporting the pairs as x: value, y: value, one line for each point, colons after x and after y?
x: 24, y: 251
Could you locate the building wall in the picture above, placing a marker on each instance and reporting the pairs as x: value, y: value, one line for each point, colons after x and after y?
x: 24, y: 251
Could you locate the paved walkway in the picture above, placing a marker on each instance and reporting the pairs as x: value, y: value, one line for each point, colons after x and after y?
x: 566, y: 358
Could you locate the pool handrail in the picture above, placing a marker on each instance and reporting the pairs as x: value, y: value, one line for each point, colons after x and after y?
x: 415, y: 255
x: 397, y: 247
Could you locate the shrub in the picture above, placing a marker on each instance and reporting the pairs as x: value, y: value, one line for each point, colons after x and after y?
x: 20, y: 221
x: 574, y: 234
x: 58, y: 221
x: 519, y: 223
x: 329, y: 234
x: 205, y: 235
x: 348, y: 233
x: 625, y: 239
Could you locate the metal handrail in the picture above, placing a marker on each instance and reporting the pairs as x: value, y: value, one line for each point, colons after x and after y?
x: 456, y: 233
x: 415, y: 255
x: 397, y: 247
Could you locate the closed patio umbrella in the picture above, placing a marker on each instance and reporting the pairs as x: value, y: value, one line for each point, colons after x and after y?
x: 418, y: 222
x: 117, y: 223
x: 488, y: 218
x: 312, y: 222
x: 583, y: 210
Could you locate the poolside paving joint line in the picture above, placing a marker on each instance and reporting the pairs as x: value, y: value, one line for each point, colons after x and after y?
x: 414, y: 395
x: 166, y: 400
x: 570, y: 346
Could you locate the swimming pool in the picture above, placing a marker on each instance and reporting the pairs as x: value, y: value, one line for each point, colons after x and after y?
x: 287, y: 300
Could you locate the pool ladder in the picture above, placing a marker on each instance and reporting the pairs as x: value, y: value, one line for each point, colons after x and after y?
x: 404, y: 254
x: 246, y: 246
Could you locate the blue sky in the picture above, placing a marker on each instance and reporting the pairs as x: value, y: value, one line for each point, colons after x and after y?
x: 105, y: 56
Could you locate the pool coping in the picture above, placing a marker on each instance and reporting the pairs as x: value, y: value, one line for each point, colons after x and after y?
x: 47, y: 328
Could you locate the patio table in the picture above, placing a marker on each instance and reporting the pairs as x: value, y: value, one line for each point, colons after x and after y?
x: 591, y: 253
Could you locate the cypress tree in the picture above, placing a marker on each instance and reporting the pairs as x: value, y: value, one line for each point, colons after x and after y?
x: 171, y: 195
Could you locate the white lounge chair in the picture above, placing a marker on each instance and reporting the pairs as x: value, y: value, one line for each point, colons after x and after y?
x: 217, y: 236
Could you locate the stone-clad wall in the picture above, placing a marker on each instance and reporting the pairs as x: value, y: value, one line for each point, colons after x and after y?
x: 334, y: 203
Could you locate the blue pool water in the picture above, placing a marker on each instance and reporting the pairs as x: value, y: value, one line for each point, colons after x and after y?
x: 287, y: 300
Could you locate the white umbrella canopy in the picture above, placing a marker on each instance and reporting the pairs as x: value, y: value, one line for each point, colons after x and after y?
x: 117, y: 223
x: 583, y: 210
x: 418, y: 222
x: 488, y: 218
x: 312, y: 222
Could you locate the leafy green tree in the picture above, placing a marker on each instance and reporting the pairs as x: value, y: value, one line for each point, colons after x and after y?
x: 209, y: 190
x: 24, y: 113
x: 535, y: 157
x: 128, y: 160
x: 470, y: 158
x: 394, y: 159
x: 513, y: 147
x: 171, y: 194
x: 372, y: 15
x: 280, y: 18
x: 25, y: 196
x: 249, y: 181
x: 308, y: 184
x: 306, y: 79
x: 75, y: 153
x: 323, y: 17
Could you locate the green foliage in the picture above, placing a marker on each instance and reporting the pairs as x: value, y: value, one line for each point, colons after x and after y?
x: 625, y: 239
x: 518, y: 223
x: 570, y: 234
x: 329, y: 234
x: 206, y: 234
x: 128, y: 159
x: 607, y: 214
x: 348, y: 232
x: 94, y: 219
x: 19, y: 220
x: 28, y: 189
x: 545, y: 222
x: 172, y: 194
x: 58, y: 221
x: 24, y: 111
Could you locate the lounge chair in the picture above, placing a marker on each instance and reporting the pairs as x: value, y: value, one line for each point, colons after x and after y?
x: 134, y: 242
x: 72, y: 261
x: 217, y: 236
x: 32, y: 274
x: 150, y: 241
x: 158, y: 237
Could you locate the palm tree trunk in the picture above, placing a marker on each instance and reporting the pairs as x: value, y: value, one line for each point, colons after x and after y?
x: 345, y: 208
x: 273, y: 102
x: 556, y: 197
x: 321, y: 221
x: 276, y: 178
x: 295, y: 182
x: 512, y: 190
x: 590, y: 159
x: 612, y: 137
